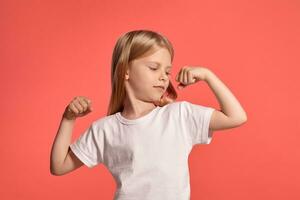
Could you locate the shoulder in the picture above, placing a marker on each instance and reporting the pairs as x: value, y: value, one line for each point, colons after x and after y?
x: 187, y: 108
x: 103, y: 122
x: 178, y: 104
x: 174, y: 107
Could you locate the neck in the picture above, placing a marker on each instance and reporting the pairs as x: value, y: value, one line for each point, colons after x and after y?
x: 135, y: 109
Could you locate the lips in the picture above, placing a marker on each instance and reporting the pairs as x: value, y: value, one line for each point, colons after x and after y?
x: 162, y: 87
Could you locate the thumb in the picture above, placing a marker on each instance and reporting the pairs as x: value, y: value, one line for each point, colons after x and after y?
x: 180, y: 86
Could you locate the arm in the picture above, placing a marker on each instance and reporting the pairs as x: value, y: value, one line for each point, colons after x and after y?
x: 232, y: 114
x: 62, y: 159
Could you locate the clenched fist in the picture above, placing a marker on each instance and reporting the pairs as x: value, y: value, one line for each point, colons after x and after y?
x: 189, y: 75
x: 79, y: 107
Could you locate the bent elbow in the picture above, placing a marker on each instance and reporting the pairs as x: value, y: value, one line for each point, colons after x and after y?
x: 243, y: 120
x: 55, y: 171
x: 239, y: 121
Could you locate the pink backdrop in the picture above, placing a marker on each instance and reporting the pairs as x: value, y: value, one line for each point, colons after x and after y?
x: 52, y: 51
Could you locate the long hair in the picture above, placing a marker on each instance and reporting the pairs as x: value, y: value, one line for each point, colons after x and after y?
x: 130, y: 46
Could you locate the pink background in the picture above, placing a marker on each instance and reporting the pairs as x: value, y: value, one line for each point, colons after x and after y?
x: 52, y: 51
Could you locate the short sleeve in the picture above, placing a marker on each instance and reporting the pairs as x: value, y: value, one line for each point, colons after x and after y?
x: 196, y: 119
x: 88, y: 147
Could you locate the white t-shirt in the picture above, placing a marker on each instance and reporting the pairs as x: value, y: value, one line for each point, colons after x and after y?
x: 148, y: 156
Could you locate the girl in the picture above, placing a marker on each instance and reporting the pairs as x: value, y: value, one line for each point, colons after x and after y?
x: 147, y: 136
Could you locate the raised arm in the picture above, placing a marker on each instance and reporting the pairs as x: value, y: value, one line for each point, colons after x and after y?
x: 232, y: 114
x: 62, y: 159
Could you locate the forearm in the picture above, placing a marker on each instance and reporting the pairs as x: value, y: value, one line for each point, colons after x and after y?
x: 230, y: 106
x: 61, y: 143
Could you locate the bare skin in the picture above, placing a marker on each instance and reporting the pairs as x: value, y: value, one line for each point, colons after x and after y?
x: 141, y: 78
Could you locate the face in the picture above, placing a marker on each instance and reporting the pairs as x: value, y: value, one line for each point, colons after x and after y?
x: 148, y: 72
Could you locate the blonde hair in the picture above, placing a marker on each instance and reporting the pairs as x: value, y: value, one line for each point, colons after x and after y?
x: 130, y: 46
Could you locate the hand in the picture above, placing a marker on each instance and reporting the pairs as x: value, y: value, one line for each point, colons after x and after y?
x: 79, y: 107
x: 189, y: 75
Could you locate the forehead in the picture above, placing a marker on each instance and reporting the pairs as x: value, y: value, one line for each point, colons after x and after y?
x: 156, y: 63
x: 159, y: 56
x: 154, y: 57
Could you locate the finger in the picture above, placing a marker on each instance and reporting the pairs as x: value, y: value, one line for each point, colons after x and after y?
x: 88, y: 101
x: 85, y: 99
x: 180, y: 86
x: 190, y: 77
x: 83, y: 104
x: 185, y: 77
x: 178, y: 76
x: 78, y: 106
x: 181, y: 76
x: 74, y: 109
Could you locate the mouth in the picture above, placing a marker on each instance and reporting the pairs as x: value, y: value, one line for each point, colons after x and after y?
x: 162, y: 87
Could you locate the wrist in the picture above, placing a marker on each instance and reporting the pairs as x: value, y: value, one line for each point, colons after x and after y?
x: 68, y: 118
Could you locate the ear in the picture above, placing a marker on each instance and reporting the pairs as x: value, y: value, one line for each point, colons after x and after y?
x: 127, y: 74
x: 127, y: 71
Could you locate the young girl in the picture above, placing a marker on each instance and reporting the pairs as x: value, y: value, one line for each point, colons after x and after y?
x: 147, y: 136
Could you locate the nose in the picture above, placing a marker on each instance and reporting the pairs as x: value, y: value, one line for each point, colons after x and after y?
x: 163, y: 76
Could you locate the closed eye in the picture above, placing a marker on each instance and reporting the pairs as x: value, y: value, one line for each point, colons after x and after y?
x: 153, y: 69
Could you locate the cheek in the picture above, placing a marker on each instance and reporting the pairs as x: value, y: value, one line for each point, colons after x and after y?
x: 142, y: 82
x: 145, y: 78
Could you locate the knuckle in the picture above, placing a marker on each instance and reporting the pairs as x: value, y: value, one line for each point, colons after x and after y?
x: 78, y: 98
x: 83, y: 104
x: 72, y: 109
x: 71, y: 106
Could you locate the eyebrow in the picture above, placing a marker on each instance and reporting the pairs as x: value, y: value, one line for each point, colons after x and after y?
x: 159, y: 64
